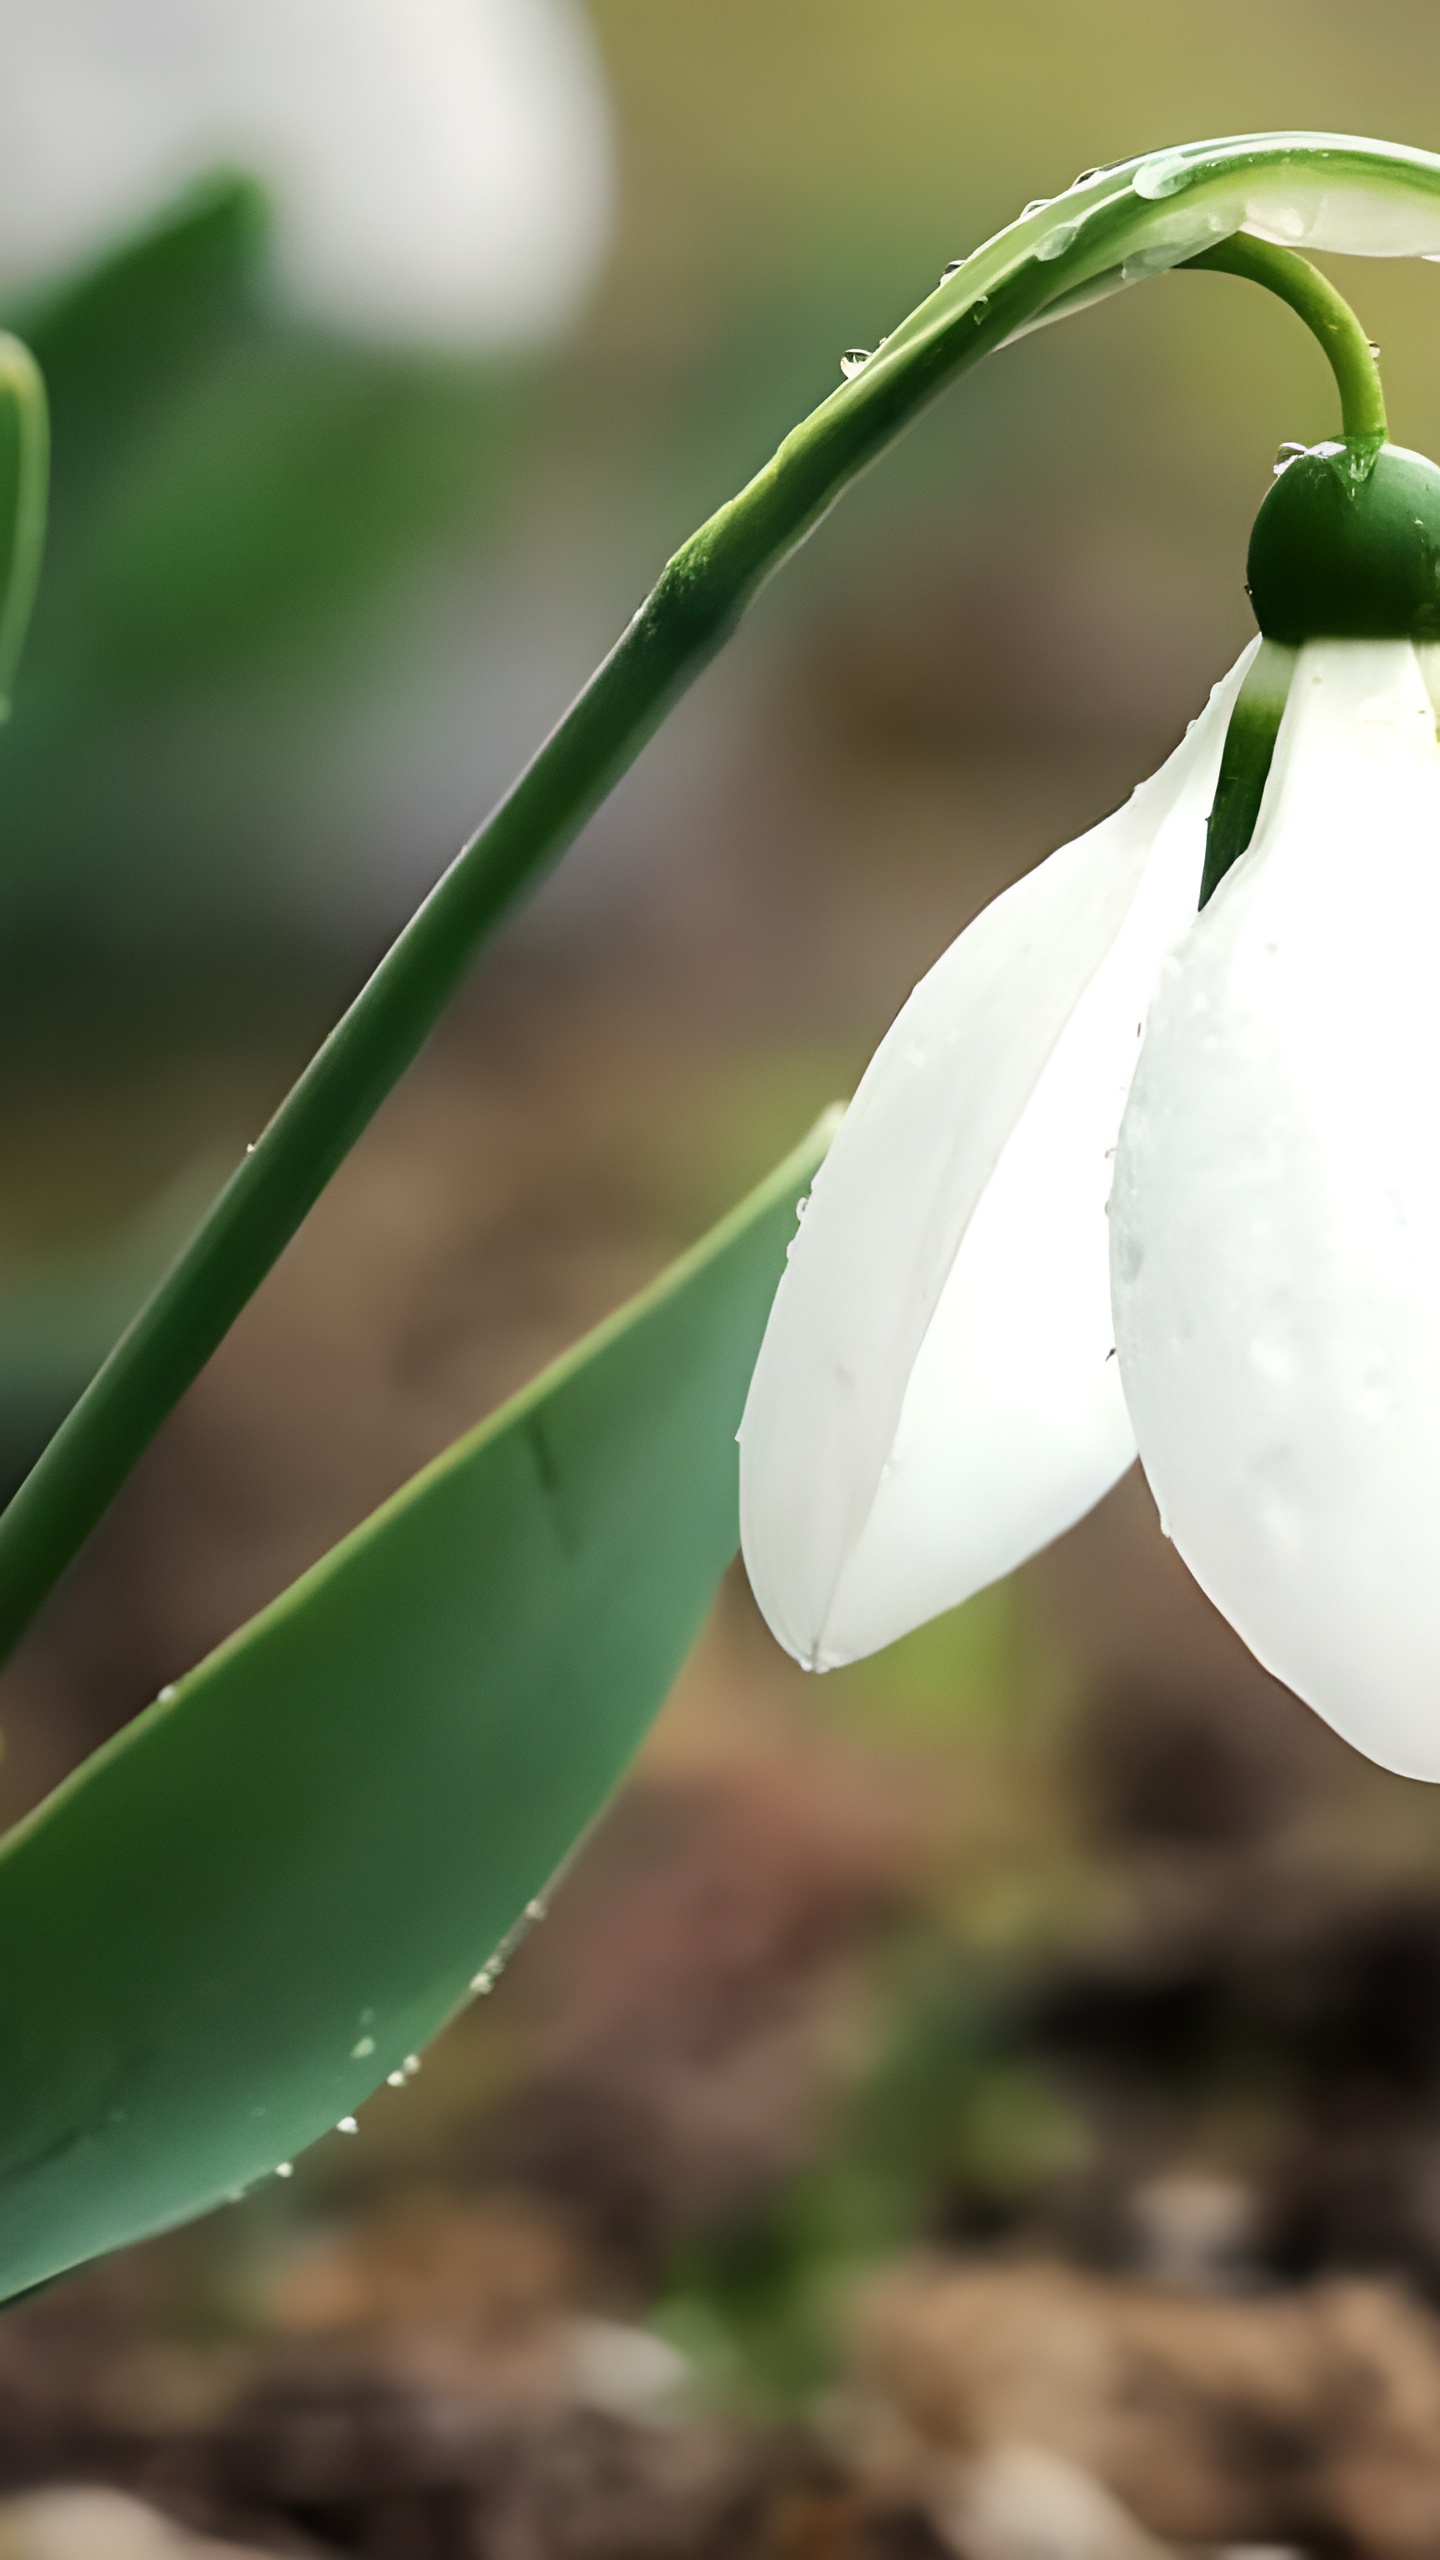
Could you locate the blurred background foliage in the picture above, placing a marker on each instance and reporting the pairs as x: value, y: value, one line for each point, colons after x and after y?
x: 1012, y: 1932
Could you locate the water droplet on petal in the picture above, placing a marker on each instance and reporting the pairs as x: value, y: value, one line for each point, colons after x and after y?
x: 1287, y: 454
x: 167, y: 1693
x: 284, y: 2168
x: 1374, y: 350
x: 411, y: 2065
x: 979, y: 306
x: 1036, y: 204
x: 952, y: 270
x: 347, y: 2124
x: 360, y: 2052
x: 537, y: 1909
x: 1085, y: 177
x: 854, y: 361
x: 394, y: 2079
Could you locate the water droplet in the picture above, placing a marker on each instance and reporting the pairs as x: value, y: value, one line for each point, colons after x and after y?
x: 1085, y: 177
x: 347, y: 2124
x: 360, y: 2052
x: 234, y: 2195
x: 249, y: 1146
x: 980, y: 306
x: 1164, y: 175
x: 410, y: 2065
x: 537, y: 1909
x: 1287, y: 454
x: 952, y: 270
x: 802, y: 1204
x: 1036, y: 204
x: 854, y: 361
x: 394, y: 2079
x: 1056, y: 242
x: 167, y: 1693
x: 284, y: 2168
x: 482, y: 1981
x: 1374, y: 350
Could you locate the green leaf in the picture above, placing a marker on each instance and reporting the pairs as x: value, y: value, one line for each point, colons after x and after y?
x: 118, y: 340
x: 225, y: 1930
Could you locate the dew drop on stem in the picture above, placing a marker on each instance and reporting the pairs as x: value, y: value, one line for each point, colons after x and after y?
x: 854, y: 361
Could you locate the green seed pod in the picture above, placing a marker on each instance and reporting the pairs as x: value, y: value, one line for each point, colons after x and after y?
x: 1347, y: 547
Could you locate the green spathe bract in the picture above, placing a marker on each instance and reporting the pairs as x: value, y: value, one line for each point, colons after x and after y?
x: 1347, y: 547
x: 236, y: 1919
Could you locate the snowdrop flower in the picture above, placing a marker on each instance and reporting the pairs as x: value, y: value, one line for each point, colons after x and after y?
x: 1127, y: 1175
x: 440, y: 168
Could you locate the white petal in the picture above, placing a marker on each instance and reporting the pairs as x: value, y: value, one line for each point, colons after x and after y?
x: 440, y: 168
x: 933, y: 1398
x: 1276, y: 1216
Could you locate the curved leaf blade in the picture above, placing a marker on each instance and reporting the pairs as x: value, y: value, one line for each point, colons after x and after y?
x: 232, y: 1922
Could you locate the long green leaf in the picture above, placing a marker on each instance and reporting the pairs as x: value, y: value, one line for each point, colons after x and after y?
x: 225, y: 1930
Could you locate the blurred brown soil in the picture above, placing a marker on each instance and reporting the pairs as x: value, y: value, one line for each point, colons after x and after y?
x: 1302, y: 2418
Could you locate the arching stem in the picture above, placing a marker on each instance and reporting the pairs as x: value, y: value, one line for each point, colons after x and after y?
x: 1328, y: 317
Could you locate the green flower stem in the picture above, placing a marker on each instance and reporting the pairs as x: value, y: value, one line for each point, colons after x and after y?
x: 24, y: 488
x: 1154, y: 211
x: 1326, y: 314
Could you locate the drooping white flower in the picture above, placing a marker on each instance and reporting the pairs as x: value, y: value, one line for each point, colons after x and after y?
x: 966, y: 1349
x: 440, y: 168
x: 1275, y: 1222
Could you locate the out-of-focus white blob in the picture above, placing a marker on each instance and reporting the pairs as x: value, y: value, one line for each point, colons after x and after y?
x: 1275, y: 1222
x: 440, y: 168
x: 934, y: 1397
